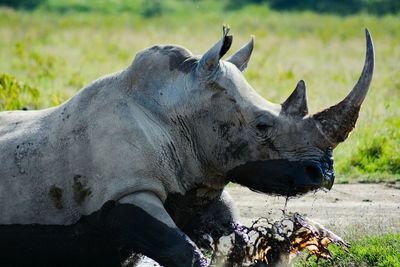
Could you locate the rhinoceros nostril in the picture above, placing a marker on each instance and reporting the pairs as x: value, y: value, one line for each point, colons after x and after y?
x: 313, y: 173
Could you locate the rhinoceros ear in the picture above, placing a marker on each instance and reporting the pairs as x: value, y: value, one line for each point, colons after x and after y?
x: 210, y: 60
x: 296, y: 104
x: 242, y: 56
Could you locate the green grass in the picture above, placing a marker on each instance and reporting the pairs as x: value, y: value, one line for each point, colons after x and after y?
x: 377, y: 251
x: 59, y: 49
x: 15, y: 94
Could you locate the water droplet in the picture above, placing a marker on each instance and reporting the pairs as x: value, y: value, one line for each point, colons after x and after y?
x: 285, y: 207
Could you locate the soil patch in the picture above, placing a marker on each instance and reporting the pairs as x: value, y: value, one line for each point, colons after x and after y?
x: 349, y: 210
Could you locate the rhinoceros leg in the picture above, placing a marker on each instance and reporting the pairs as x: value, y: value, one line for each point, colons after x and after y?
x: 205, y: 214
x: 139, y: 223
x: 217, y: 218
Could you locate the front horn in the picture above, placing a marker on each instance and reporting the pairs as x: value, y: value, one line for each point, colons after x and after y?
x: 338, y: 121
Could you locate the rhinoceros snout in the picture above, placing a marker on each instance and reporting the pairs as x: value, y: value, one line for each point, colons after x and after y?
x: 284, y: 177
x: 321, y: 176
x: 329, y: 179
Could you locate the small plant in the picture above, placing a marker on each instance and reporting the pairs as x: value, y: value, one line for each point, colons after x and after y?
x: 379, y: 154
x: 370, y: 250
x: 15, y: 94
x: 152, y: 9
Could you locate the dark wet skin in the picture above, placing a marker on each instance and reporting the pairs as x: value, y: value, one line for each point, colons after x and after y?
x: 104, y: 238
x: 284, y: 177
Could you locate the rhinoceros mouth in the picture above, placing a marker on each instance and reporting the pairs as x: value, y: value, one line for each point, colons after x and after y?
x: 283, y: 177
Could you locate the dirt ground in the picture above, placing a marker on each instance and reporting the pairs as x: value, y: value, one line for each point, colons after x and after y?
x: 348, y: 209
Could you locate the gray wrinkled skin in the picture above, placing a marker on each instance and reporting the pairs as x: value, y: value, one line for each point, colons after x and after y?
x: 168, y: 124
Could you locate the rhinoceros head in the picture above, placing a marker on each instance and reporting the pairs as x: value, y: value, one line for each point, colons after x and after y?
x: 275, y: 148
x: 238, y: 135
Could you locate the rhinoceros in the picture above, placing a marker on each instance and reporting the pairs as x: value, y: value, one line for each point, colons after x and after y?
x: 138, y: 160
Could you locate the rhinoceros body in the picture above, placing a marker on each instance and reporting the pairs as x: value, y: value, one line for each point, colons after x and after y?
x: 61, y: 163
x: 143, y: 155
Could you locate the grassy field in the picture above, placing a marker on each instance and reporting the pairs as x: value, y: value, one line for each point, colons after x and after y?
x: 61, y: 46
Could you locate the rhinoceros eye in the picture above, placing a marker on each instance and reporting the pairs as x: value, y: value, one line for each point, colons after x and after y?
x: 263, y: 122
x: 262, y: 126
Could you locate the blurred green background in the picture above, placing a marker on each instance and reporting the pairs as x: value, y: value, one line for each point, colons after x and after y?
x: 50, y: 49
